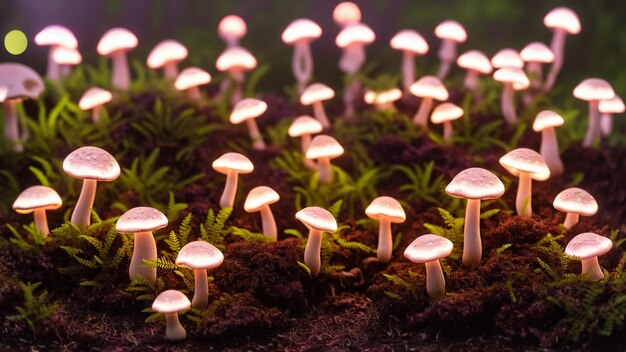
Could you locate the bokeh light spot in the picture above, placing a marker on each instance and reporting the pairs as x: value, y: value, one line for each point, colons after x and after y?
x: 15, y: 42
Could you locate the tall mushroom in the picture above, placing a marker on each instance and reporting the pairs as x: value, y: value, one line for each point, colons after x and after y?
x: 412, y: 44
x: 575, y: 202
x: 115, y: 43
x: 190, y: 79
x: 317, y: 220
x: 200, y: 256
x: 236, y: 61
x: 450, y: 32
x: 55, y: 36
x: 259, y: 199
x: 513, y: 79
x: 427, y: 88
x: 303, y: 127
x: 429, y: 249
x: 93, y: 99
x: 231, y: 165
x: 167, y: 54
x: 300, y: 33
x: 545, y: 122
x: 608, y: 108
x: 385, y: 210
x: 536, y: 54
x: 446, y: 113
x: 525, y: 164
x: 476, y: 63
x: 231, y: 29
x: 170, y: 303
x: 323, y: 148
x: 91, y: 164
x: 382, y: 100
x: 36, y: 200
x: 562, y: 21
x: 314, y: 95
x: 248, y: 110
x: 474, y: 184
x: 593, y: 90
x: 587, y: 247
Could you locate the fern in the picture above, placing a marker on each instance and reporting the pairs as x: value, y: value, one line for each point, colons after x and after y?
x: 214, y: 229
x: 250, y: 236
x: 406, y: 288
x: 36, y: 239
x: 421, y: 183
x: 352, y: 245
x: 35, y: 310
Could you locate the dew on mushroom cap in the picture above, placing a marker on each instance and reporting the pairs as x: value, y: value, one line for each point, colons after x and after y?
x: 525, y: 160
x: 576, y: 200
x: 91, y: 163
x: 507, y: 58
x: 475, y: 60
x: 141, y: 219
x: 475, y: 183
x: 259, y: 197
x: 302, y: 29
x: 317, y: 218
x: 537, y: 52
x: 562, y: 18
x: 409, y: 40
x: 588, y: 245
x: 346, y: 13
x: 427, y: 248
x: 248, y: 108
x: 200, y: 255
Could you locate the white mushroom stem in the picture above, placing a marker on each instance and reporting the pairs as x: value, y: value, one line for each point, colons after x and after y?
x: 143, y: 248
x: 174, y: 331
x: 312, y: 255
x: 571, y: 219
x: 230, y: 189
x: 350, y: 93
x: 302, y: 64
x: 95, y: 114
x: 435, y: 282
x: 324, y: 170
x: 238, y: 80
x: 593, y: 130
x: 471, y: 83
x: 447, y: 54
x: 549, y: 151
x: 385, y: 240
x: 557, y: 45
x: 535, y: 73
x: 121, y: 72
x: 201, y: 292
x: 592, y: 267
x: 352, y: 58
x: 255, y: 135
x: 472, y: 245
x: 507, y: 104
x: 170, y: 70
x: 447, y: 131
x: 194, y: 93
x: 606, y: 124
x: 41, y: 221
x: 53, y: 71
x: 306, y: 141
x: 11, y: 129
x: 81, y: 216
x: 523, y: 200
x: 421, y: 116
x: 320, y: 114
x: 268, y: 222
x: 408, y: 71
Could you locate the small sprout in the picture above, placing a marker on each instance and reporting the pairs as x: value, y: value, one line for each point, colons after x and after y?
x: 248, y: 110
x: 476, y: 63
x: 323, y: 148
x: 55, y: 36
x: 167, y: 54
x: 36, y: 200
x: 93, y: 99
x: 545, y: 122
x: 588, y: 247
x: 534, y: 55
x: 507, y: 58
x: 608, y: 108
x: 317, y: 220
x: 236, y: 61
x: 513, y: 79
x: 259, y: 199
x: 446, y: 113
x: 593, y: 90
x: 412, y: 44
x: 314, y: 95
x: 115, y: 43
x: 386, y: 210
x: 427, y: 88
x: 170, y: 303
x: 450, y: 32
x: 346, y: 13
x: 429, y: 249
x: 526, y: 164
x: 65, y: 58
x: 231, y: 165
x: 562, y: 21
x: 200, y: 256
x: 300, y: 33
x: 383, y: 100
x: 231, y: 29
x: 304, y: 126
x: 190, y: 79
x: 575, y: 202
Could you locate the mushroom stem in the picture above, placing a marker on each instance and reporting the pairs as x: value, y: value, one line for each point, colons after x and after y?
x: 230, y: 189
x: 592, y: 267
x: 557, y: 45
x: 11, y: 128
x: 306, y: 141
x: 121, y: 72
x: 593, y: 130
x: 435, y: 282
x: 523, y: 200
x: 174, y: 331
x: 238, y: 79
x: 507, y: 104
x: 535, y: 73
x: 385, y: 241
x: 606, y: 124
x: 81, y: 216
x: 549, y: 151
x: 408, y: 71
x: 350, y: 93
x: 472, y: 245
x: 194, y: 93
x: 255, y: 135
x: 471, y: 83
x: 352, y: 58
x: 302, y: 64
x: 447, y: 131
x: 421, y: 116
x: 312, y: 256
x: 95, y: 114
x: 324, y: 170
x: 41, y: 221
x: 53, y: 72
x: 571, y: 219
x: 170, y: 70
x: 320, y: 114
x: 447, y: 54
x: 201, y: 292
x: 268, y: 222
x: 143, y: 248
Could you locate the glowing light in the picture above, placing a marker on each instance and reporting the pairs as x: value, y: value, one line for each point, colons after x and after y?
x: 15, y: 42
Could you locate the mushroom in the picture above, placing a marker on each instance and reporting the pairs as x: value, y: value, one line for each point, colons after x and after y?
x: 593, y: 90
x: 314, y: 95
x: 446, y: 113
x: 346, y: 13
x: 91, y: 164
x: 248, y: 110
x: 190, y: 79
x: 55, y: 36
x: 475, y: 62
x: 236, y: 61
x: 65, y: 58
x: 259, y: 199
x: 535, y: 54
x: 167, y: 54
x: 385, y: 210
x: 411, y: 43
x: 93, y: 99
x: 575, y: 202
x: 170, y: 303
x: 142, y: 221
x: 587, y: 247
x: 513, y: 79
x: 608, y: 108
x: 304, y: 126
x: 200, y: 256
x: 115, y: 43
x: 427, y: 88
x: 231, y: 165
x: 507, y: 58
x: 429, y: 249
x: 231, y: 29
x: 317, y: 220
x: 474, y: 184
x: 525, y: 164
x: 323, y: 148
x: 450, y: 32
x: 36, y: 200
x: 299, y: 34
x: 562, y: 21
x: 545, y: 122
x: 383, y: 100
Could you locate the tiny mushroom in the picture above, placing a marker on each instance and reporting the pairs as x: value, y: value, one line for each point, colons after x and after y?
x: 231, y: 29
x: 248, y: 110
x: 55, y: 36
x: 317, y: 220
x: 170, y: 303
x: 427, y: 88
x: 513, y: 79
x: 259, y: 199
x: 383, y: 100
x: 236, y: 61
x: 575, y: 202
x: 593, y: 90
x: 545, y: 122
x: 446, y: 113
x: 65, y: 58
x: 507, y: 58
x: 525, y: 164
x: 386, y: 210
x: 429, y: 249
x: 608, y: 108
x: 115, y: 43
x: 167, y: 54
x: 476, y: 63
x: 346, y: 13
x: 314, y: 95
x: 190, y: 79
x: 412, y: 44
x: 535, y: 54
x: 93, y: 99
x: 200, y: 256
x: 450, y: 32
x: 304, y: 126
x: 562, y: 21
x: 474, y: 184
x: 142, y: 221
x: 36, y: 200
x: 323, y: 148
x: 231, y: 164
x: 587, y: 247
x: 300, y: 33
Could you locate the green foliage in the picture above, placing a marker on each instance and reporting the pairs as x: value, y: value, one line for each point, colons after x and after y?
x: 552, y: 252
x: 453, y: 231
x: 406, y: 289
x: 214, y: 229
x: 35, y: 310
x: 421, y: 184
x: 145, y: 290
x: 34, y: 241
x: 250, y: 236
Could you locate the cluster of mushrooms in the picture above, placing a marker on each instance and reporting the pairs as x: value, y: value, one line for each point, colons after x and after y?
x: 92, y: 164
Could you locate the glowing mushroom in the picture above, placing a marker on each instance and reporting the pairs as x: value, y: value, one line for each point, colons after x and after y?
x: 474, y: 184
x: 545, y: 122
x: 476, y: 63
x: 231, y: 165
x: 36, y: 200
x: 450, y: 32
x: 386, y: 210
x: 608, y: 108
x: 55, y: 36
x: 299, y: 34
x: 259, y: 199
x: 93, y: 99
x: 304, y: 127
x: 587, y: 247
x: 115, y: 43
x: 383, y: 100
x: 248, y: 110
x: 575, y: 202
x: 190, y: 79
x: 314, y: 95
x: 200, y: 256
x: 236, y: 61
x: 562, y: 21
x: 231, y: 29
x: 446, y: 113
x: 346, y: 13
x: 167, y: 54
x: 593, y: 90
x: 507, y: 58
x: 536, y: 54
x: 317, y: 220
x: 429, y: 249
x: 91, y: 164
x: 170, y: 303
x: 412, y: 44
x: 65, y: 58
x: 323, y: 148
x: 525, y: 164
x: 427, y: 88
x: 513, y: 79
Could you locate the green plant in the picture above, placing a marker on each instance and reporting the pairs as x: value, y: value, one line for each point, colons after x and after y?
x: 214, y: 229
x: 422, y: 185
x: 35, y: 240
x: 406, y: 290
x: 35, y: 310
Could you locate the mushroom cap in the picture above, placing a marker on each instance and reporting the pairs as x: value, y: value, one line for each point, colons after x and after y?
x: 56, y: 35
x: 167, y: 51
x: 94, y: 97
x: 191, y: 77
x: 302, y: 29
x: 547, y: 118
x: 409, y: 40
x: 507, y: 58
x: 475, y: 60
x: 429, y: 87
x: 512, y: 75
x: 525, y: 160
x: 446, y: 112
x: 588, y: 245
x: 199, y: 255
x: 91, y: 163
x: 324, y: 146
x: 388, y: 207
x: 116, y: 39
x: 141, y: 219
x: 171, y: 301
x: 232, y: 26
x: 346, y: 13
x: 358, y: 33
x: 428, y: 248
x: 382, y: 97
x: 258, y: 197
x: 233, y: 162
x: 576, y: 200
x: 66, y: 56
x: 451, y: 30
x: 235, y: 58
x: 304, y: 125
x: 562, y: 18
x: 537, y: 52
x: 475, y: 183
x: 20, y: 81
x: 37, y: 197
x: 614, y: 105
x: 316, y: 92
x: 248, y: 108
x: 592, y: 89
x: 317, y: 218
